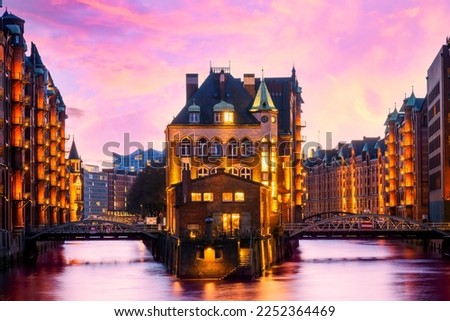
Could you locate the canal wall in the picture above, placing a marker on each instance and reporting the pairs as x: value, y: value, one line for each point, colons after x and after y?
x: 15, y: 249
x: 221, y: 258
x: 439, y: 246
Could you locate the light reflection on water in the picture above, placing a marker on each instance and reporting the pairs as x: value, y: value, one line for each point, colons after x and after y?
x: 320, y: 270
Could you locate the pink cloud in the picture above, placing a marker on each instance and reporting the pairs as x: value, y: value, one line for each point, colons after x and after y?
x: 121, y: 65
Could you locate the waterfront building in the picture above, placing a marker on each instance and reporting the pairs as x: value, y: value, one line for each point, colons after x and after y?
x: 34, y: 173
x: 119, y: 185
x: 95, y: 191
x: 438, y: 109
x: 250, y: 129
x: 229, y: 215
x: 406, y: 139
x: 348, y: 178
x: 33, y: 166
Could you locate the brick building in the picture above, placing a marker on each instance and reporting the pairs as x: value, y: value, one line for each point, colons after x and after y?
x: 348, y: 178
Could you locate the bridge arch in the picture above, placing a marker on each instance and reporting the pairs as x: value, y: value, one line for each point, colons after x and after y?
x: 93, y: 229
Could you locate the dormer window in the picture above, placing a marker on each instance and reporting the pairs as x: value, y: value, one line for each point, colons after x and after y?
x: 194, y: 113
x: 194, y: 117
x: 223, y: 112
x: 228, y: 117
x: 218, y: 117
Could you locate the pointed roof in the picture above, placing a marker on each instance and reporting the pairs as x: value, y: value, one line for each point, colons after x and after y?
x: 12, y: 18
x: 263, y: 101
x: 73, y: 154
x: 35, y: 57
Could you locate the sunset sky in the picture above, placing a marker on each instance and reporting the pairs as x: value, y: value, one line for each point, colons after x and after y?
x: 121, y: 64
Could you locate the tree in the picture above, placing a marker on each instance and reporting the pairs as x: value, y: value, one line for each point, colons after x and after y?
x: 147, y: 195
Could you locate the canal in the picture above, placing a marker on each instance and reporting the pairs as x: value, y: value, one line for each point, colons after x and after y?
x: 319, y: 270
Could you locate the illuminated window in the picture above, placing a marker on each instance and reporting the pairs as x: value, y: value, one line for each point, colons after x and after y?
x: 239, y: 197
x: 228, y: 117
x: 246, y: 173
x: 227, y: 197
x: 196, y: 197
x: 208, y: 197
x: 231, y: 222
x: 234, y: 171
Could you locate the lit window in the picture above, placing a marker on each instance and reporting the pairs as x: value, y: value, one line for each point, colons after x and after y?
x: 234, y: 171
x: 228, y: 117
x: 239, y: 197
x: 196, y: 197
x: 246, y: 173
x: 227, y: 197
x: 231, y: 222
x: 208, y: 197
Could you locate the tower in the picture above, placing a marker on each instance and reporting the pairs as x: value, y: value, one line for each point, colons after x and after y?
x: 75, y: 184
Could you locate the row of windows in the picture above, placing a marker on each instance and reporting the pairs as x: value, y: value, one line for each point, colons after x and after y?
x: 214, y: 148
x: 219, y: 117
x: 244, y: 172
x: 226, y: 197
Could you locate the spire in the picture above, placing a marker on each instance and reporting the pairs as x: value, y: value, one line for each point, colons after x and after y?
x: 73, y: 154
x: 263, y: 100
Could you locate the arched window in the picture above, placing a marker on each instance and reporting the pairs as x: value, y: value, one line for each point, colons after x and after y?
x: 246, y: 173
x: 213, y: 170
x: 232, y: 148
x: 234, y: 171
x: 203, y: 171
x: 246, y: 147
x: 185, y: 147
x: 202, y: 147
x: 215, y: 149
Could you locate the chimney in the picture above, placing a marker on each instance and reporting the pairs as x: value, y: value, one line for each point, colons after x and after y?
x: 222, y: 84
x: 191, y: 85
x: 249, y: 84
x: 186, y: 185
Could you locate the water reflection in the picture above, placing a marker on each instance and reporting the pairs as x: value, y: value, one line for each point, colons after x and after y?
x: 320, y: 270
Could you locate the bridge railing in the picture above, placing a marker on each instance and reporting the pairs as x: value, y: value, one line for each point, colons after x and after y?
x: 440, y: 226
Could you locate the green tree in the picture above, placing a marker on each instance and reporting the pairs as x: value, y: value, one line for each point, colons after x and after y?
x: 147, y: 195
